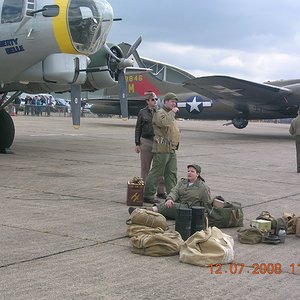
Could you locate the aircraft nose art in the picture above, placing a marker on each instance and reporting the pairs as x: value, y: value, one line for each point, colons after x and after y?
x: 82, y: 26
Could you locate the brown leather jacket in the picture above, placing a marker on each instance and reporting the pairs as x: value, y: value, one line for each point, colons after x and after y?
x: 143, y: 126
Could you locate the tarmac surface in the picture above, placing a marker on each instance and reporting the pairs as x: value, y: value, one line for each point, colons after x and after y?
x: 63, y: 211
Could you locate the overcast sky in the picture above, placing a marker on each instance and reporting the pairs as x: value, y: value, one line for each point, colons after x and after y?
x: 257, y: 40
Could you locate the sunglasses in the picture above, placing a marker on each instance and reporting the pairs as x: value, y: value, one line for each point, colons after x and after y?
x: 153, y: 99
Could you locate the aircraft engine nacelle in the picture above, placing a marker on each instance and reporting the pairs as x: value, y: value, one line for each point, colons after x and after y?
x: 239, y: 122
x: 58, y: 68
x: 65, y: 68
x: 103, y: 70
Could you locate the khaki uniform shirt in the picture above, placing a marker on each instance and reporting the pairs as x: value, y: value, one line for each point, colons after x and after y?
x: 167, y: 134
x: 295, y: 126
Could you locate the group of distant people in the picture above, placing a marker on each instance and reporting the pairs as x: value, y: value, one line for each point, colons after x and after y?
x: 34, y: 106
x: 37, y: 105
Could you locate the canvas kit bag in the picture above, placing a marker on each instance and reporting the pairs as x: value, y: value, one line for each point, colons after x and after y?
x: 156, y: 244
x: 206, y: 247
x: 231, y: 215
x: 134, y: 229
x: 291, y: 222
x: 250, y: 235
x: 148, y: 235
x: 147, y: 218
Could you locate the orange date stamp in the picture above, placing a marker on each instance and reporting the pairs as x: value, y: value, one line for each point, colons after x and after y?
x: 254, y: 269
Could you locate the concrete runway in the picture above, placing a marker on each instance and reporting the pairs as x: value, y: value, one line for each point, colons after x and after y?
x: 63, y: 211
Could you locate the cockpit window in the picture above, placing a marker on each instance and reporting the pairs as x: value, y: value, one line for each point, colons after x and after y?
x: 12, y: 11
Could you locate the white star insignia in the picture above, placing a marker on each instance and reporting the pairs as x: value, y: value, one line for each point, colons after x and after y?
x: 194, y: 105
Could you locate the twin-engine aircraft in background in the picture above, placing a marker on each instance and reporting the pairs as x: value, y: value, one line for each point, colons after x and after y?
x: 45, y: 47
x: 207, y: 98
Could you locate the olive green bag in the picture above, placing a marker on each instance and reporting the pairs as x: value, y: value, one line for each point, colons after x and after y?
x: 250, y: 235
x: 231, y: 215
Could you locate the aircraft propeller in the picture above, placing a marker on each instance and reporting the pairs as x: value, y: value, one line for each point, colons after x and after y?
x: 118, y: 66
x: 122, y: 64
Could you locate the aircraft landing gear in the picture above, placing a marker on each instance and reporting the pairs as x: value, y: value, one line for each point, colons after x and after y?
x: 239, y: 123
x: 7, y: 131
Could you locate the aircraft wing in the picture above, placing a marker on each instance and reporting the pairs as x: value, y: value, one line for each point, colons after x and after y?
x: 234, y: 91
x: 111, y: 106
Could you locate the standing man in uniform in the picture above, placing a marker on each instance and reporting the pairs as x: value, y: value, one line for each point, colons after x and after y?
x: 295, y: 132
x: 165, y: 144
x: 144, y: 139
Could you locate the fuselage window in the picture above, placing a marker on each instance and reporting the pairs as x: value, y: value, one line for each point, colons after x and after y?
x: 12, y: 11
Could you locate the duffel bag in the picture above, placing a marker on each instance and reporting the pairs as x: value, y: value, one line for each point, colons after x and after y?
x: 206, y: 247
x: 156, y: 244
x: 231, y: 215
x: 148, y: 218
x: 250, y: 235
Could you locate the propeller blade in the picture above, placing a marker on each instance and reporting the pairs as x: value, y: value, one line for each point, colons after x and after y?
x: 122, y: 64
x: 123, y: 95
x: 134, y: 47
x: 76, y: 104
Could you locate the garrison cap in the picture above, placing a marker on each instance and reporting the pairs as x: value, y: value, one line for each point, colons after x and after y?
x: 170, y: 96
x: 196, y: 167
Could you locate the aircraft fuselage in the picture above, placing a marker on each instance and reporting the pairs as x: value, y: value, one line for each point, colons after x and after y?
x: 32, y: 30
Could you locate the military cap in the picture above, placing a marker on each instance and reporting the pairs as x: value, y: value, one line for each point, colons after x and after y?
x: 170, y: 96
x: 196, y: 167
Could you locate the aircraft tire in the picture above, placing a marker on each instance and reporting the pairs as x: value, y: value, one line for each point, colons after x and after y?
x: 7, y: 130
x: 239, y: 123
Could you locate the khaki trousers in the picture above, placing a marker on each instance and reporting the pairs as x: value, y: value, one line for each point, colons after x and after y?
x: 146, y: 160
x: 164, y: 164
